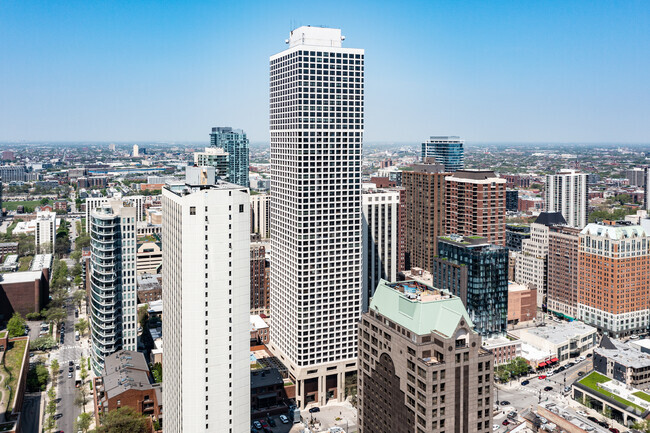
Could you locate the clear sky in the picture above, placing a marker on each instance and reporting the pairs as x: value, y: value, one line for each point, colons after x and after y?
x: 490, y: 71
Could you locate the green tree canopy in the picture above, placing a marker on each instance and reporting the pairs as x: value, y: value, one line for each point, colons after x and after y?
x: 16, y: 326
x: 123, y: 420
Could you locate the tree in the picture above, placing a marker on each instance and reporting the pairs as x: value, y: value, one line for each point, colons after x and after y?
x: 76, y: 270
x: 33, y: 316
x: 156, y: 370
x: 55, y: 315
x: 83, y: 422
x: 81, y: 326
x: 44, y: 201
x: 37, y: 378
x: 76, y: 255
x: 78, y: 297
x: 607, y: 411
x: 123, y: 420
x: 78, y: 280
x: 54, y: 369
x: 16, y: 326
x: 143, y: 315
x: 42, y: 343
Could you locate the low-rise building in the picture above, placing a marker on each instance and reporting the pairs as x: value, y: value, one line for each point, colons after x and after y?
x: 24, y: 292
x: 267, y: 393
x: 149, y: 258
x: 7, y: 248
x: 149, y: 288
x: 41, y: 261
x: 522, y: 302
x: 504, y: 348
x: 127, y: 382
x: 624, y: 362
x: 564, y: 340
x: 260, y: 332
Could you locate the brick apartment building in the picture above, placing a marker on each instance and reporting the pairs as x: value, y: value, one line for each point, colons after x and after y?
x: 24, y: 292
x: 562, y: 281
x: 614, y: 263
x: 425, y: 213
x: 127, y: 382
x: 475, y: 204
x: 421, y: 367
x: 260, y: 279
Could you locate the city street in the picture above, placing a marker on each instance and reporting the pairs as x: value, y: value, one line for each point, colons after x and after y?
x: 71, y: 350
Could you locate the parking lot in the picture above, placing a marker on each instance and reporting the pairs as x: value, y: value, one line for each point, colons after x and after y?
x: 334, y: 414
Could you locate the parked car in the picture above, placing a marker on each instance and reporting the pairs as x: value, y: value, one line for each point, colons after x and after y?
x: 314, y: 409
x: 257, y: 425
x: 284, y: 419
x: 271, y: 422
x: 581, y: 373
x: 505, y: 422
x: 592, y: 419
x: 264, y: 423
x: 581, y: 412
x: 495, y: 427
x: 58, y: 416
x: 548, y: 388
x: 542, y: 377
x: 504, y: 403
x: 614, y: 430
x: 69, y: 375
x: 525, y: 382
x: 589, y: 355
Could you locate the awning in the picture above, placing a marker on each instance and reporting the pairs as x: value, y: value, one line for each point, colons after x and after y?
x: 542, y: 364
x: 554, y: 360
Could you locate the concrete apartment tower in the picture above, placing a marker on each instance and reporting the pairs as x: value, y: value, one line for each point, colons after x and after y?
x: 446, y: 150
x: 206, y: 286
x: 261, y: 215
x: 567, y: 192
x: 316, y: 122
x: 235, y: 144
x: 45, y: 236
x: 113, y: 292
x: 421, y: 365
x: 475, y: 202
x: 380, y: 238
x: 425, y: 212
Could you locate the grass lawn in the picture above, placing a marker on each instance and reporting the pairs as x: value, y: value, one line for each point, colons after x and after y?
x: 13, y: 205
x: 12, y: 362
x: 24, y: 263
x: 642, y: 395
x: 591, y: 381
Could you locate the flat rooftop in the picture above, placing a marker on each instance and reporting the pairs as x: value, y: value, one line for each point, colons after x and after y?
x: 560, y: 332
x: 625, y: 354
x: 20, y: 277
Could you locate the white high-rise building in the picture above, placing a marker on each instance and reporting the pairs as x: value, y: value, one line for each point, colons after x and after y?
x: 93, y: 203
x: 45, y: 235
x: 316, y: 122
x: 113, y: 300
x: 380, y: 238
x: 136, y: 150
x: 261, y: 215
x: 567, y: 192
x: 206, y: 294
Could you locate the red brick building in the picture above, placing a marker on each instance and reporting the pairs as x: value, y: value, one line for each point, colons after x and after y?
x: 127, y: 382
x: 475, y: 203
x: 383, y: 182
x: 24, y: 292
x: 260, y: 279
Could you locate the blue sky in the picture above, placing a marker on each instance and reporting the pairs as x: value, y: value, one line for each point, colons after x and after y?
x: 489, y: 71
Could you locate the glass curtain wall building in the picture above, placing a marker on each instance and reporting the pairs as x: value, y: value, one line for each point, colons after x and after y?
x: 235, y: 143
x: 446, y: 150
x: 484, y: 290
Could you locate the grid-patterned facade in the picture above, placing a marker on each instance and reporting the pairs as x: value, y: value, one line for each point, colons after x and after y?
x: 260, y: 274
x: 316, y: 126
x: 447, y: 150
x: 113, y: 293
x: 563, y: 270
x: 567, y: 192
x: 235, y: 143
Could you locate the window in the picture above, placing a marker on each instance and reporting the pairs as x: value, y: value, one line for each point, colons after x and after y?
x: 241, y: 208
x: 192, y: 210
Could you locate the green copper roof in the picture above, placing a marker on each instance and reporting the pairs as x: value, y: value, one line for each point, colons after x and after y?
x: 420, y: 317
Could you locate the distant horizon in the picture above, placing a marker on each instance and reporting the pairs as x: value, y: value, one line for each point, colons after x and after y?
x: 489, y: 72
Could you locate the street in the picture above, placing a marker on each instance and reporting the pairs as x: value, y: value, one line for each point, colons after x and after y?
x: 71, y: 350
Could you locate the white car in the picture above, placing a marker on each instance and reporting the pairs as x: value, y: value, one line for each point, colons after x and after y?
x: 580, y: 412
x: 550, y: 373
x: 581, y: 358
x: 495, y: 427
x: 284, y: 419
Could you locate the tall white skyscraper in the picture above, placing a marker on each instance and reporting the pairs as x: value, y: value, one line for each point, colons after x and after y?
x: 380, y: 238
x: 316, y: 122
x: 45, y: 236
x: 567, y: 192
x: 113, y: 294
x: 93, y: 203
x: 206, y: 294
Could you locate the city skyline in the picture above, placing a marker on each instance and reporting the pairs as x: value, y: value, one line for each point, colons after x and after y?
x: 511, y: 75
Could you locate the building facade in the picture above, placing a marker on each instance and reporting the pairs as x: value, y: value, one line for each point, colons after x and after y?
x: 316, y: 265
x: 636, y: 176
x: 113, y: 294
x: 214, y: 157
x: 425, y: 213
x: 206, y: 285
x: 45, y: 235
x: 563, y: 270
x: 512, y: 200
x: 475, y: 203
x: 446, y: 150
x: 380, y: 210
x: 421, y: 365
x: 477, y: 272
x: 515, y: 235
x: 614, y: 263
x: 260, y: 279
x: 567, y: 192
x: 235, y: 143
x: 92, y: 203
x: 261, y: 215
